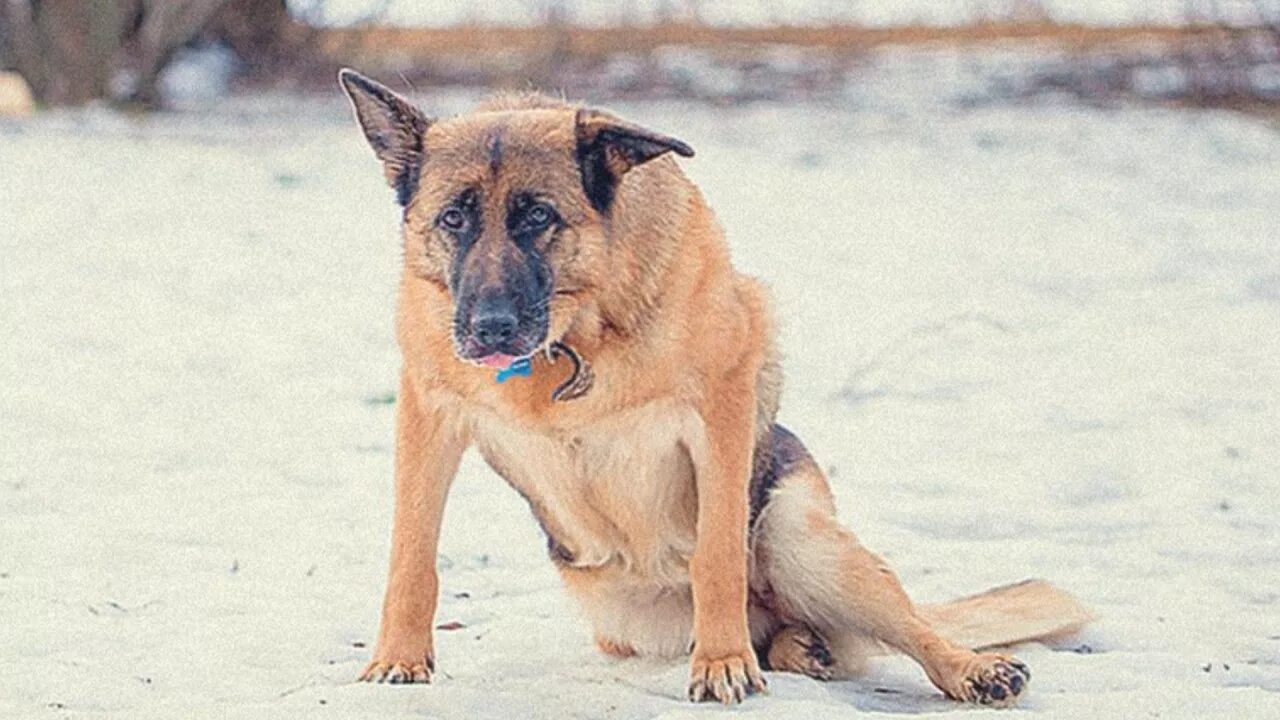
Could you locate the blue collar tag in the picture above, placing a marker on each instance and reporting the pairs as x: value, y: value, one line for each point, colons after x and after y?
x: 522, y: 367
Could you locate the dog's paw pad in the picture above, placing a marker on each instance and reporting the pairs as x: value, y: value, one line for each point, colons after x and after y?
x: 996, y: 681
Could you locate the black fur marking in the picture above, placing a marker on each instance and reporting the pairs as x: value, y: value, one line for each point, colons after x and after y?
x: 597, y: 182
x: 394, y: 128
x: 529, y: 219
x: 777, y: 454
x: 630, y: 146
x: 406, y: 182
x: 512, y: 273
x: 494, y: 145
x: 762, y: 654
x: 527, y: 276
x: 819, y: 651
x: 559, y: 553
x: 468, y: 201
x: 642, y: 146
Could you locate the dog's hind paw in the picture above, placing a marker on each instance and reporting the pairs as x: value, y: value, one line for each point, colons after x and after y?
x: 799, y: 650
x: 994, y: 680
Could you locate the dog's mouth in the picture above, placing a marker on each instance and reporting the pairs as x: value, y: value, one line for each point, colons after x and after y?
x: 508, y: 361
x: 496, y: 361
x: 524, y: 344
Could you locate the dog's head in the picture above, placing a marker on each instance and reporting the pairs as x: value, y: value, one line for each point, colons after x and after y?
x: 506, y: 208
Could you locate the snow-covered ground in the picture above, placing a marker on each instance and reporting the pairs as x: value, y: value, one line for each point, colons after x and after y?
x: 767, y: 12
x: 1027, y: 341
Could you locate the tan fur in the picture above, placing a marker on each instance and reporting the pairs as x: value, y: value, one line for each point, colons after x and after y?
x: 1029, y: 610
x: 642, y: 483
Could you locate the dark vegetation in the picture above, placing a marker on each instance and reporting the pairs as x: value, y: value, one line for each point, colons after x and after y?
x: 75, y: 51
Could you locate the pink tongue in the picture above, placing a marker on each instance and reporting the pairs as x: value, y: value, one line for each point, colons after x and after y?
x: 497, y: 360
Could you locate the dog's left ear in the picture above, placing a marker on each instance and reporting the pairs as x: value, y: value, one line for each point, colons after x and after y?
x: 393, y: 126
x: 608, y: 147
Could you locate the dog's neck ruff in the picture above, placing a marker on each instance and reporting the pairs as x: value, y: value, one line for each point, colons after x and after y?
x: 578, y: 384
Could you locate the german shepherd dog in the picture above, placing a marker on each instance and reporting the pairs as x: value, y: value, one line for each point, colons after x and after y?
x: 562, y: 246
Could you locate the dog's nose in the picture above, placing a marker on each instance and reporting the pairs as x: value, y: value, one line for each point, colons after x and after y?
x: 492, y: 327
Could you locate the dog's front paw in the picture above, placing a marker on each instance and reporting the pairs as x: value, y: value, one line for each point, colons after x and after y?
x: 995, y: 680
x: 400, y: 667
x: 728, y: 679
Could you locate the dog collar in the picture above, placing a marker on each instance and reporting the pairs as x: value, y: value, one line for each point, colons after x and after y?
x: 579, y: 383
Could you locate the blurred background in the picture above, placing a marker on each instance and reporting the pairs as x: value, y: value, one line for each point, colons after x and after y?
x: 164, y: 53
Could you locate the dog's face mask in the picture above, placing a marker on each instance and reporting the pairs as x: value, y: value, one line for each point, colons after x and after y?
x: 506, y: 208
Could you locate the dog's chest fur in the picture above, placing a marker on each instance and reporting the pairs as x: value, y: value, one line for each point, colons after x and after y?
x: 615, y: 495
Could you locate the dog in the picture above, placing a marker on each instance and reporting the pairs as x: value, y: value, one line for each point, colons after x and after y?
x: 567, y: 306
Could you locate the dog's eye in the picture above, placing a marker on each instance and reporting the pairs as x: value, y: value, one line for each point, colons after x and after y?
x: 452, y: 220
x: 540, y: 216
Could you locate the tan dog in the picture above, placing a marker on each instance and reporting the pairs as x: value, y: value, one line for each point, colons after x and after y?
x: 677, y: 512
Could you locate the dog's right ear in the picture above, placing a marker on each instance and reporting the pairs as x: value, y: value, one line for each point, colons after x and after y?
x: 394, y: 128
x: 608, y: 147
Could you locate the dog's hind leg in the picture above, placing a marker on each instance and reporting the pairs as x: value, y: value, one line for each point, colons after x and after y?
x: 818, y: 576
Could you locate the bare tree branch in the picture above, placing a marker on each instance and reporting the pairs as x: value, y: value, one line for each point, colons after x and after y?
x: 167, y: 25
x: 22, y: 42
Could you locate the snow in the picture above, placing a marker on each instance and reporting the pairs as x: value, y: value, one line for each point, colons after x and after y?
x: 875, y: 13
x: 1032, y: 340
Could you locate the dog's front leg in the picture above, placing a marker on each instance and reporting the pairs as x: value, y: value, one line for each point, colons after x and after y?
x: 429, y: 445
x: 724, y: 665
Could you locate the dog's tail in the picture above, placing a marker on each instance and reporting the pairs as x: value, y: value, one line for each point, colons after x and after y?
x: 1025, y: 611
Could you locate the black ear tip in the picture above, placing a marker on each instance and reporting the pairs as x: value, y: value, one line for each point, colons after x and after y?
x: 682, y: 149
x: 352, y: 81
